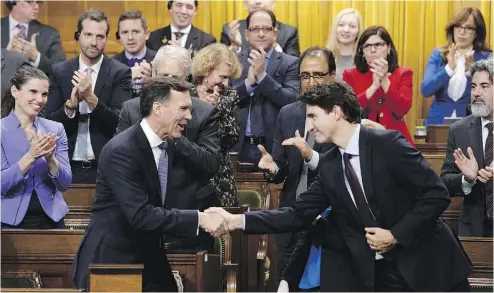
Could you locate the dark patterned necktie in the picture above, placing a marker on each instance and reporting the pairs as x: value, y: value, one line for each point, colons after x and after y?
x: 134, y: 61
x: 363, y: 208
x: 488, y: 161
x: 22, y: 31
x: 178, y: 35
x: 163, y: 170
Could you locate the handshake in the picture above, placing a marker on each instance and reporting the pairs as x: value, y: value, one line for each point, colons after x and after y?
x: 217, y: 222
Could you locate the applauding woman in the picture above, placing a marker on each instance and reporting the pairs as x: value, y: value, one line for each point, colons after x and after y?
x: 383, y: 88
x: 212, y: 69
x: 35, y: 163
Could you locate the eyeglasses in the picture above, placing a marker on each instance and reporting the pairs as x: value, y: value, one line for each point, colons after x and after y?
x: 466, y: 29
x: 317, y: 76
x: 377, y: 46
x: 264, y: 29
x: 167, y: 75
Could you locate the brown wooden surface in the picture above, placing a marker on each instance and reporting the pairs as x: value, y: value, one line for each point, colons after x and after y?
x: 115, y: 278
x: 437, y: 133
x: 479, y: 250
x: 52, y: 252
x: 40, y: 290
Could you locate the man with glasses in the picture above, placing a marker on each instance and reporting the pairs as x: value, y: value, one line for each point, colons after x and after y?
x: 268, y: 82
x: 133, y: 32
x: 22, y: 33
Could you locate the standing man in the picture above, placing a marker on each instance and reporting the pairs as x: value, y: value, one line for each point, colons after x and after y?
x: 86, y: 95
x: 133, y: 33
x: 129, y: 216
x: 22, y: 33
x: 233, y: 33
x: 268, y: 82
x: 181, y: 31
x: 467, y: 168
x: 11, y: 61
x: 386, y: 206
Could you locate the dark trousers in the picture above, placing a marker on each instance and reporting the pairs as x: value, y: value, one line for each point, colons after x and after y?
x: 285, y: 244
x: 250, y: 154
x: 389, y: 279
x: 83, y: 175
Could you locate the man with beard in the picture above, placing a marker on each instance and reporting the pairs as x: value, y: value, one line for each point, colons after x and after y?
x: 467, y: 169
x: 86, y: 95
x: 181, y: 31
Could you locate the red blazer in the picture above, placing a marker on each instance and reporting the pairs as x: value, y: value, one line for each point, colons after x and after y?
x: 385, y: 108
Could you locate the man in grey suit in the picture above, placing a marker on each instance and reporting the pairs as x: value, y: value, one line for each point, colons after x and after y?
x: 233, y: 33
x: 471, y: 176
x: 11, y: 61
x: 198, y: 150
x: 22, y: 33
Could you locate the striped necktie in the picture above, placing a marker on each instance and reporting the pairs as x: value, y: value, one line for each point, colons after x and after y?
x: 163, y: 170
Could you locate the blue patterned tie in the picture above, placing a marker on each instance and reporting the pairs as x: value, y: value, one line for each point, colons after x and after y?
x: 134, y: 61
x: 22, y: 30
x: 163, y: 170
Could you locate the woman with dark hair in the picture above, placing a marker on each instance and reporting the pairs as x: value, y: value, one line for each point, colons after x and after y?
x: 446, y: 75
x: 383, y: 88
x: 35, y: 163
x: 212, y: 69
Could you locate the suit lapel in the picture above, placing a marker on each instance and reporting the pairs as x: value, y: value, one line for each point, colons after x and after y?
x: 3, y: 61
x: 274, y: 61
x: 102, y: 76
x: 298, y: 124
x: 365, y: 155
x: 339, y: 183
x: 33, y: 28
x: 148, y: 160
x: 5, y: 31
x: 167, y: 34
x: 192, y: 39
x: 242, y: 57
x: 475, y: 140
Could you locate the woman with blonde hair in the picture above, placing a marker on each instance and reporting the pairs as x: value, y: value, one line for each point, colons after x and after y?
x: 446, y: 73
x: 212, y: 69
x: 345, y: 31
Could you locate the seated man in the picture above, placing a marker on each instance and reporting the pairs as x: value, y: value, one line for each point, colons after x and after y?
x: 233, y: 33
x: 181, y: 31
x: 198, y: 150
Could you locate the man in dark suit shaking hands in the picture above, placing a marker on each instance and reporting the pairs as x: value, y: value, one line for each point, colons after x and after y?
x: 386, y: 206
x: 471, y: 176
x: 86, y: 95
x: 129, y: 217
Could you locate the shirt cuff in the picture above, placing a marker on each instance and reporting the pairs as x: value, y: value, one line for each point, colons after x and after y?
x: 249, y: 88
x: 314, y: 161
x: 243, y: 224
x: 260, y: 79
x: 36, y: 62
x: 449, y: 71
x: 198, y: 215
x: 67, y: 113
x: 466, y: 186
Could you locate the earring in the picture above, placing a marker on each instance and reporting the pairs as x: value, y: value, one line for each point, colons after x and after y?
x: 205, y: 79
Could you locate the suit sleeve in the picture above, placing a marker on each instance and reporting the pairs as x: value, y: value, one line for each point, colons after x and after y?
x: 285, y: 93
x: 308, y: 206
x: 399, y: 96
x: 55, y: 55
x: 278, y: 152
x: 63, y: 179
x: 124, y: 119
x: 121, y: 169
x: 295, y: 267
x: 292, y: 46
x: 411, y: 169
x: 435, y: 75
x: 204, y: 154
x: 224, y: 35
x: 450, y: 174
x: 106, y: 116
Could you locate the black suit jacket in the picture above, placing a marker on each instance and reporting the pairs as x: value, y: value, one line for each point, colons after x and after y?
x: 196, y: 39
x: 280, y: 87
x: 120, y: 57
x: 47, y: 42
x: 11, y: 61
x: 128, y: 217
x: 113, y: 87
x: 287, y: 37
x: 406, y: 197
x: 196, y: 162
x: 463, y: 134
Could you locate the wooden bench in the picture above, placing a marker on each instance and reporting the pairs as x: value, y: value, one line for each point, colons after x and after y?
x: 51, y: 253
x: 115, y: 278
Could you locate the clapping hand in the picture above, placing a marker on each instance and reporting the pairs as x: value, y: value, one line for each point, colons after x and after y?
x: 42, y: 145
x: 234, y: 33
x: 20, y: 45
x: 141, y: 70
x: 485, y: 174
x: 451, y: 57
x: 257, y: 60
x: 467, y: 166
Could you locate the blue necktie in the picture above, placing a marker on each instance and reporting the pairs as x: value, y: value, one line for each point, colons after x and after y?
x: 133, y: 61
x: 163, y: 170
x: 312, y: 274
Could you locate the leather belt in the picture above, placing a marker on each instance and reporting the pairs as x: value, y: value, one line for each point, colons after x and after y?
x: 255, y: 140
x: 85, y: 164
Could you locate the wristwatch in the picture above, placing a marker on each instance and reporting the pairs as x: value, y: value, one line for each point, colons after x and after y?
x: 68, y: 104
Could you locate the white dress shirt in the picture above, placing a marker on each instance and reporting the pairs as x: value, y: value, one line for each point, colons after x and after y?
x: 465, y: 185
x: 155, y: 141
x: 184, y: 37
x: 353, y: 149
x: 13, y: 30
x: 94, y: 76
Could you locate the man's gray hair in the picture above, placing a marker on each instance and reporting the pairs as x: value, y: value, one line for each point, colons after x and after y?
x: 182, y: 55
x: 483, y: 65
